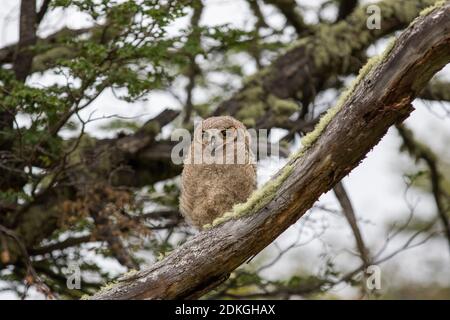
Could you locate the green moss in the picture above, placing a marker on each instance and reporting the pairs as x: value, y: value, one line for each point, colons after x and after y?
x: 429, y: 9
x: 282, y: 106
x: 107, y: 287
x: 388, y: 49
x: 257, y: 77
x: 248, y: 122
x: 296, y: 44
x: 129, y: 274
x: 333, y: 45
x: 253, y: 106
x: 85, y: 142
x: 103, y: 289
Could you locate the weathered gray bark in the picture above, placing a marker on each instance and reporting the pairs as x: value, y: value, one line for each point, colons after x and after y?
x: 305, y: 69
x: 381, y: 99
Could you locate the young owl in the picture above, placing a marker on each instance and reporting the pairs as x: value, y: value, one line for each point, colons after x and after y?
x: 219, y: 170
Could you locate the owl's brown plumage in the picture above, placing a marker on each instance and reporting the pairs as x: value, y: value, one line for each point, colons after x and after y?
x: 213, y: 180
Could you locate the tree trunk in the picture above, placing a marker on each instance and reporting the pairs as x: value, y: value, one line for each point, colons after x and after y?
x: 380, y: 99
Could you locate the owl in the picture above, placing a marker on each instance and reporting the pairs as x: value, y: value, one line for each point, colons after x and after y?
x: 219, y: 170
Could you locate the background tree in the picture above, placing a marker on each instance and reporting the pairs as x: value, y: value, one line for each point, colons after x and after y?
x: 68, y: 195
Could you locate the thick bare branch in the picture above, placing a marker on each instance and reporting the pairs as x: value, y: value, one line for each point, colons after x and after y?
x: 7, y: 52
x: 422, y: 152
x: 133, y: 160
x: 437, y: 90
x: 290, y: 10
x: 193, y: 69
x: 27, y: 37
x: 380, y: 99
x: 349, y: 213
x: 345, y: 8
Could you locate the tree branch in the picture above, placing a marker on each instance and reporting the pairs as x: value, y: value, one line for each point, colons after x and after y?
x: 302, y: 71
x: 346, y: 7
x: 422, y: 152
x: 7, y: 52
x: 70, y: 242
x: 193, y: 69
x: 437, y: 90
x: 349, y: 213
x: 42, y: 10
x: 380, y: 99
x: 27, y: 37
x: 148, y: 158
x: 289, y: 9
